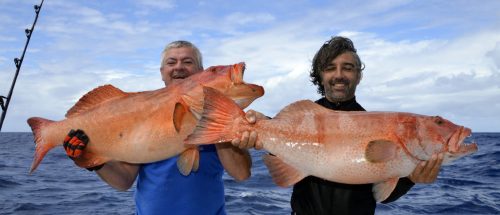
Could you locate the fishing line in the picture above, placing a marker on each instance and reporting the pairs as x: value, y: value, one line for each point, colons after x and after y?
x: 5, y: 100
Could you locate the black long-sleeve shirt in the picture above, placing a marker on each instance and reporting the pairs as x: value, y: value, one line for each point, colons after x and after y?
x: 315, y: 196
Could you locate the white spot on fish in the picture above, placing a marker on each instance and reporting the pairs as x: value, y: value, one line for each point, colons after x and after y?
x: 359, y: 160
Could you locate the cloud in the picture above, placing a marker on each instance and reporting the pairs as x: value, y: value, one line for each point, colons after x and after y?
x: 240, y: 18
x: 440, y: 59
x: 435, y: 77
x: 156, y: 5
x: 494, y: 55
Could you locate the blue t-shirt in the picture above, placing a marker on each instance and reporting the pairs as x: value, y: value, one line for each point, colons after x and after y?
x: 162, y: 189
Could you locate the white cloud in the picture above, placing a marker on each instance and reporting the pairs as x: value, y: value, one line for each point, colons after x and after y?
x: 158, y: 5
x: 447, y: 67
x: 452, y: 78
x: 244, y: 19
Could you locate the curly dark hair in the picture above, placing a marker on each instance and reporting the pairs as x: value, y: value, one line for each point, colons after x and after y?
x: 329, y: 51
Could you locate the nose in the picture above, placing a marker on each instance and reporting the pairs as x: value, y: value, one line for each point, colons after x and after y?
x: 178, y: 66
x: 338, y: 73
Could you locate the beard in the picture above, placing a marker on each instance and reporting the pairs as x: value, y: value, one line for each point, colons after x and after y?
x: 340, y: 89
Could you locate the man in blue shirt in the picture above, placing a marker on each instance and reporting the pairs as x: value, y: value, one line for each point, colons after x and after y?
x: 161, y: 188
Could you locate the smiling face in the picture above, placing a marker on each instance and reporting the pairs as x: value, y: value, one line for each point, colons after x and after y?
x: 340, y: 78
x: 179, y: 63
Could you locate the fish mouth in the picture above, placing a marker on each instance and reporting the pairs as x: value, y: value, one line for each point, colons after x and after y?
x: 243, y: 98
x: 243, y: 102
x: 456, y: 142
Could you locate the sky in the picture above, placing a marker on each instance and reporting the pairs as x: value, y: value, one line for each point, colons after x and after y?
x: 430, y: 57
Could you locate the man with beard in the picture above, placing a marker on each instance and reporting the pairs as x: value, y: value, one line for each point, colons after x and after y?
x: 337, y: 71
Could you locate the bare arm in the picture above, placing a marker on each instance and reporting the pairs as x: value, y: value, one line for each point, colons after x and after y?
x: 119, y: 175
x: 237, y: 162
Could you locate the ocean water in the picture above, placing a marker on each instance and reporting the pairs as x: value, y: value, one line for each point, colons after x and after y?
x: 470, y: 185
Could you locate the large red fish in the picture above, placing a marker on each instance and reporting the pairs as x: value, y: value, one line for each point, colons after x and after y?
x: 347, y: 147
x: 142, y: 127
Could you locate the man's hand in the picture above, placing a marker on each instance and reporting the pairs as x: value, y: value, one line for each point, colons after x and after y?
x: 249, y: 138
x: 74, y: 143
x: 427, y: 171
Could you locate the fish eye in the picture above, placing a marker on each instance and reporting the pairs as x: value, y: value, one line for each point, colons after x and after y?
x: 438, y: 120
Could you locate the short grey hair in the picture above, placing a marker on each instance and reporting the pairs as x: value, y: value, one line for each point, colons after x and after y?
x: 179, y: 44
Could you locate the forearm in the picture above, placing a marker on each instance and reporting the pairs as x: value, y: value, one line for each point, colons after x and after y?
x: 119, y: 175
x: 237, y: 162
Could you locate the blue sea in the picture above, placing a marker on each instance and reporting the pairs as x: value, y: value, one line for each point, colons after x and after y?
x: 470, y: 185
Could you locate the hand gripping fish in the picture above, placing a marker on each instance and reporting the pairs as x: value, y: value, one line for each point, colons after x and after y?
x: 142, y: 127
x: 346, y: 147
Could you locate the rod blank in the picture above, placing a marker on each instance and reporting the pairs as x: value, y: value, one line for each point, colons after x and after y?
x: 5, y: 100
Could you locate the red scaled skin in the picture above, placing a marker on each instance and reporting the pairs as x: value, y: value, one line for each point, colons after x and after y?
x: 333, y: 145
x: 139, y: 127
x: 347, y: 147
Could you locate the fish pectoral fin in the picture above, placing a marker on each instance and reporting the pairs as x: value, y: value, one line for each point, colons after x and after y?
x: 188, y: 161
x: 180, y: 111
x: 283, y: 174
x: 378, y: 151
x: 381, y: 191
x: 196, y: 107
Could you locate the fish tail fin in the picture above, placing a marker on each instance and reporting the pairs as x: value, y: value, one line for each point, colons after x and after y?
x: 42, y: 146
x: 188, y: 161
x: 221, y: 121
x: 283, y: 174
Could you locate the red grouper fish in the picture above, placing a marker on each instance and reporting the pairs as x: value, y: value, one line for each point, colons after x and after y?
x: 142, y: 127
x: 346, y: 147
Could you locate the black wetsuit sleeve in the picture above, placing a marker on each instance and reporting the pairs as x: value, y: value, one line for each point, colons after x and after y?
x: 403, y: 186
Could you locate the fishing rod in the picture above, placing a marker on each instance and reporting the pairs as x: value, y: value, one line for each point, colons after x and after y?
x: 5, y: 101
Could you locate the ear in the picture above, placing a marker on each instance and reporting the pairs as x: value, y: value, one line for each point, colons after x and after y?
x: 360, y: 76
x: 162, y: 73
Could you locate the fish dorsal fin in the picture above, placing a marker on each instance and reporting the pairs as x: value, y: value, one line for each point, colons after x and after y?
x: 301, y: 107
x: 95, y: 97
x: 378, y: 151
x: 283, y: 174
